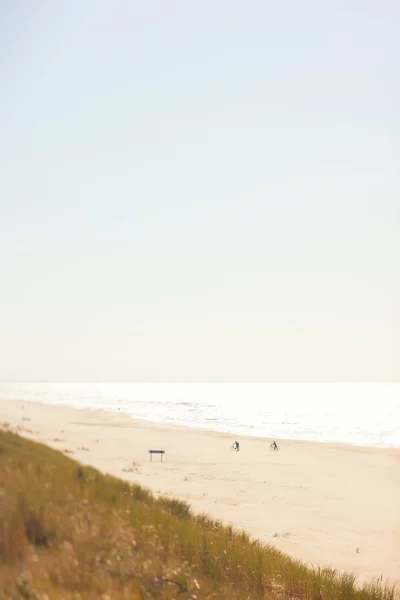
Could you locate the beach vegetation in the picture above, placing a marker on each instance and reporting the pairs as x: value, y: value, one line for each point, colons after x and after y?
x: 69, y: 532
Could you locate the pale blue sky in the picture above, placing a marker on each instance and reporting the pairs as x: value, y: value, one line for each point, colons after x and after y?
x: 200, y: 191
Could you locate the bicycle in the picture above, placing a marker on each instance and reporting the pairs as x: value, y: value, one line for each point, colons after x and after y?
x: 233, y: 447
x: 274, y: 448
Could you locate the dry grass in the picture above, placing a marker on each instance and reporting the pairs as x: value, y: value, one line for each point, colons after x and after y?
x: 68, y: 532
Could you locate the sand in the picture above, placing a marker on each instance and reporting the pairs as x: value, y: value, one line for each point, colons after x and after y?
x: 326, y: 504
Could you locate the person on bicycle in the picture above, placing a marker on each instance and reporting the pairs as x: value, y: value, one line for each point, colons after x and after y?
x: 274, y: 446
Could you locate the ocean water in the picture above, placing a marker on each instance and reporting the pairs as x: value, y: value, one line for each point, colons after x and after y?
x: 359, y: 414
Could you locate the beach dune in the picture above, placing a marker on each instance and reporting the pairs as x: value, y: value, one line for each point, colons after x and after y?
x: 326, y: 504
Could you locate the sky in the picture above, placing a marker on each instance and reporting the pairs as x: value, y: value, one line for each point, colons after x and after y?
x: 199, y: 191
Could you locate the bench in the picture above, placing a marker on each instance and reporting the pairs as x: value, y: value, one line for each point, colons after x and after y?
x: 151, y: 452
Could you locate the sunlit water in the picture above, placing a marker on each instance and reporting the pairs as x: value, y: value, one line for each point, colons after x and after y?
x: 361, y: 414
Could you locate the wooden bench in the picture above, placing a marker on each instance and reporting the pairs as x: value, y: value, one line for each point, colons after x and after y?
x: 151, y: 452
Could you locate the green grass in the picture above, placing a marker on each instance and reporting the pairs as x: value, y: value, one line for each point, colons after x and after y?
x: 69, y: 532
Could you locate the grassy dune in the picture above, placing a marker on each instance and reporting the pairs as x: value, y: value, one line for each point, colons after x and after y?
x: 67, y: 531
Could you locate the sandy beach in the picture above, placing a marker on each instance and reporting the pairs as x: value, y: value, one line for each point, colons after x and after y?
x: 325, y: 504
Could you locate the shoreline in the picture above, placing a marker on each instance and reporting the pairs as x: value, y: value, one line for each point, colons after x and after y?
x: 205, y: 430
x: 324, y: 503
x: 360, y: 414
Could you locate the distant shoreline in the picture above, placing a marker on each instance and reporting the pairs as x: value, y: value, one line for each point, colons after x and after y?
x: 362, y: 415
x: 202, y: 430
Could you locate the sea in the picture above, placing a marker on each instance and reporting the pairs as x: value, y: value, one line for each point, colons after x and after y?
x: 360, y: 414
